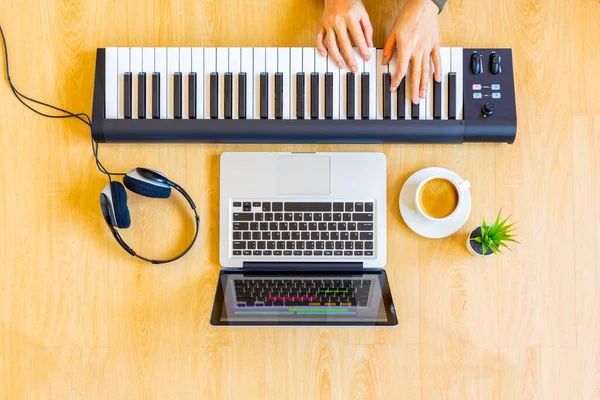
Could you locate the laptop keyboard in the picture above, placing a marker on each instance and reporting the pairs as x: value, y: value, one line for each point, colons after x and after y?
x: 303, y: 229
x: 302, y: 292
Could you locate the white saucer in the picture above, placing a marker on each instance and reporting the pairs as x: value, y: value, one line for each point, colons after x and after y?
x: 421, y: 225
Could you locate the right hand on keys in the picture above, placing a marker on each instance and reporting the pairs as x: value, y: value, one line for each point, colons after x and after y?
x: 341, y: 20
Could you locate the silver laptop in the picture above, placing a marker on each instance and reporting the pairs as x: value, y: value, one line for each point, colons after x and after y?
x: 303, y: 240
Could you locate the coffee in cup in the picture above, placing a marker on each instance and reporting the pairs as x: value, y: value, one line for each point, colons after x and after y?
x: 439, y: 197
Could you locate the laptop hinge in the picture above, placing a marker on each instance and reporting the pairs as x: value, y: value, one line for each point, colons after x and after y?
x: 302, y: 266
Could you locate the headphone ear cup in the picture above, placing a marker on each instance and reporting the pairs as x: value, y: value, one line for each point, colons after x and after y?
x: 146, y: 189
x: 119, y: 202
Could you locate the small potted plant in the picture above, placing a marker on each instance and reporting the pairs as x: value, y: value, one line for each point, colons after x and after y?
x: 486, y: 240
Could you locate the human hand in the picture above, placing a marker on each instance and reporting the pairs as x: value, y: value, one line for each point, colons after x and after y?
x: 339, y: 18
x: 416, y: 36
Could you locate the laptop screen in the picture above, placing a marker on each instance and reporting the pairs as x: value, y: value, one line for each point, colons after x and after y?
x: 342, y: 299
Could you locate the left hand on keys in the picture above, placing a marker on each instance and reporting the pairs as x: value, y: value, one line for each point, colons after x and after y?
x: 415, y: 35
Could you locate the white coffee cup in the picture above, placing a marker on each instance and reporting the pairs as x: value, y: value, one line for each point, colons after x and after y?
x: 461, y: 187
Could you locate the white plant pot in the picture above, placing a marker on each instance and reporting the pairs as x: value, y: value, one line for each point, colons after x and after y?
x: 470, y: 244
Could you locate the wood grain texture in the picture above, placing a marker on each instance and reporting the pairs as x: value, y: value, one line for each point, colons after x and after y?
x: 79, y: 318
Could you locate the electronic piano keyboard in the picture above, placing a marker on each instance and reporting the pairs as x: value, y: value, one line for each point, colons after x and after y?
x: 294, y: 95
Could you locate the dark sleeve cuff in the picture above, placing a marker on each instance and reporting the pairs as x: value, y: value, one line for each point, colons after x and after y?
x: 440, y: 3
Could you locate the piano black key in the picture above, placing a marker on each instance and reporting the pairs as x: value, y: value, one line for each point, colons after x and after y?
x: 401, y: 93
x: 437, y: 100
x: 156, y: 95
x: 387, y: 95
x: 452, y: 95
x: 177, y: 93
x: 314, y: 95
x: 328, y: 95
x: 300, y: 95
x: 264, y: 95
x: 364, y: 101
x: 242, y: 95
x: 141, y: 95
x: 228, y: 112
x: 414, y: 110
x: 350, y: 90
x: 278, y: 95
x: 192, y: 88
x: 214, y: 95
x: 127, y: 93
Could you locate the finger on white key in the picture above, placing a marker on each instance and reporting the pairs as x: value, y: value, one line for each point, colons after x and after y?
x: 398, y: 97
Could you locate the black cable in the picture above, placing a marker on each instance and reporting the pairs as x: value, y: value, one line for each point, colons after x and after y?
x: 67, y: 114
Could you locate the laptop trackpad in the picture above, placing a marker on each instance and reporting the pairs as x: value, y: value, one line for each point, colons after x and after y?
x: 303, y: 175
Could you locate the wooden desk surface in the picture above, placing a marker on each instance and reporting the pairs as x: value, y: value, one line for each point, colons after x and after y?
x: 79, y: 318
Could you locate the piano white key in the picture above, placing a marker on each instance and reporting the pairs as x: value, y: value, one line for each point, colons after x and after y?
x: 160, y: 66
x: 446, y: 63
x: 295, y: 68
x: 148, y: 69
x: 185, y: 67
x: 430, y: 100
x: 259, y: 67
x: 135, y: 57
x: 321, y: 69
x: 308, y: 67
x: 335, y: 71
x: 248, y: 68
x: 357, y: 86
x: 392, y: 69
x: 457, y: 66
x: 271, y: 69
x: 283, y: 66
x: 122, y: 67
x: 210, y: 66
x: 371, y: 68
x: 111, y: 82
x: 235, y: 61
x: 222, y: 68
x: 381, y: 69
x: 198, y: 68
x: 423, y: 104
x: 407, y: 94
x: 172, y: 67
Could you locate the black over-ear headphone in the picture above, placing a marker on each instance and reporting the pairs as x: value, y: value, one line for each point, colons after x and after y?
x: 146, y: 182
